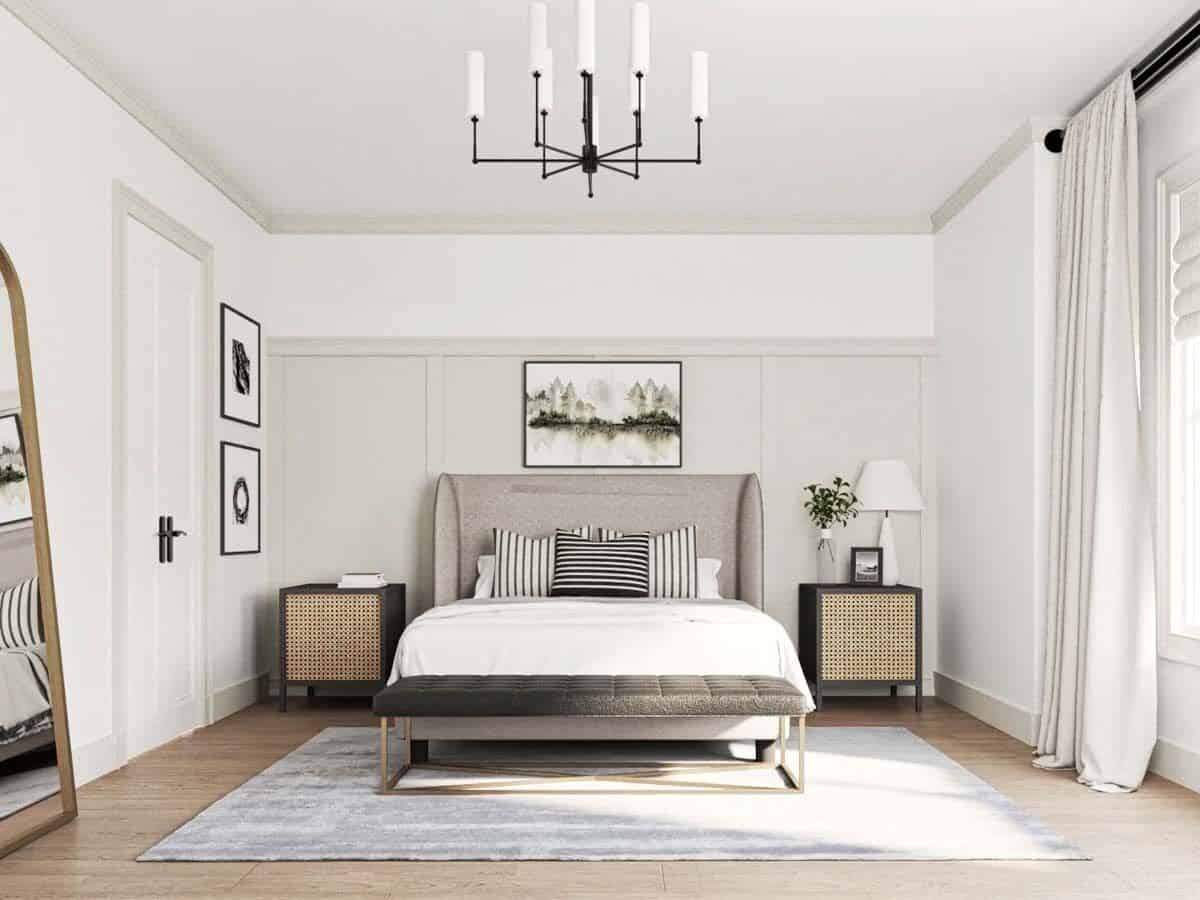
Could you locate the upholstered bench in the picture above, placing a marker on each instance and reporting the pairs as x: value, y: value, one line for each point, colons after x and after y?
x: 639, y: 696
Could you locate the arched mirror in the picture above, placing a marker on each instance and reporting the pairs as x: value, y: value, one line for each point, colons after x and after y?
x: 37, y: 785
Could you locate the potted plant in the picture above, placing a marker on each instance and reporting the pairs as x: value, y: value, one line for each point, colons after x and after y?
x: 829, y: 506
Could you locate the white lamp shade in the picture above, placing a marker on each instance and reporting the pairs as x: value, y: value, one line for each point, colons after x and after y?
x: 887, y: 484
x: 585, y: 58
x: 537, y: 35
x: 699, y: 85
x: 640, y: 38
x: 546, y: 85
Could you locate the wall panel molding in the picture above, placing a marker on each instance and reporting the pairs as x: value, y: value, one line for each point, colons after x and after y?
x: 600, y: 346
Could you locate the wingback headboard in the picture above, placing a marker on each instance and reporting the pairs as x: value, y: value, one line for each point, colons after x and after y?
x: 727, y: 510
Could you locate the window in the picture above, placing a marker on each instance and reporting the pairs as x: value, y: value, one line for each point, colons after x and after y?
x: 1178, y: 426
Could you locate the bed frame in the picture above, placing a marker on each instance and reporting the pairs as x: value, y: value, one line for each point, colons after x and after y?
x: 728, y: 513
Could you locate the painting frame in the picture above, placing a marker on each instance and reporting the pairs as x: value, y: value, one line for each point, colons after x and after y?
x: 19, y: 432
x: 525, y: 448
x: 234, y: 319
x: 253, y: 499
x: 856, y: 571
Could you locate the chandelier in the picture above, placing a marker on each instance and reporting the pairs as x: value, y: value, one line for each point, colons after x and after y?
x: 589, y: 160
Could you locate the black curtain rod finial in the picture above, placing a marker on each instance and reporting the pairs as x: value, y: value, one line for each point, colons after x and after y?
x: 1054, y: 140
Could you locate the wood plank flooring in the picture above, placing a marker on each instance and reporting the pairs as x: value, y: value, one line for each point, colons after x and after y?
x: 1145, y: 844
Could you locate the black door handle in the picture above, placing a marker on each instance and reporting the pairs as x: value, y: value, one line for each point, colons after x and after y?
x: 167, y: 532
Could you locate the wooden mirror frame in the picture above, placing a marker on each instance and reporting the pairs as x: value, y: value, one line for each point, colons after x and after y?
x: 33, y: 821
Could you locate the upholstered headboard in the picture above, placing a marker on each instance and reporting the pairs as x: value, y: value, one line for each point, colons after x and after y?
x: 727, y: 510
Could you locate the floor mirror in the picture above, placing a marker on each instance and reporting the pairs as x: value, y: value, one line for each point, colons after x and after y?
x: 37, y: 784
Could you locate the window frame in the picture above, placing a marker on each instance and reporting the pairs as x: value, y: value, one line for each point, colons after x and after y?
x: 1177, y: 641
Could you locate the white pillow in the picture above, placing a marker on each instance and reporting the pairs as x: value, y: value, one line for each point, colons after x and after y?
x: 707, y: 570
x: 486, y: 567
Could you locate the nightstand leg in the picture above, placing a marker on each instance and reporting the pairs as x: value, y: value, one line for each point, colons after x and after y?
x: 894, y: 690
x: 917, y: 689
x: 283, y: 695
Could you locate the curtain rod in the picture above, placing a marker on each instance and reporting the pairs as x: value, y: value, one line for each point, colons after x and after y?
x: 1154, y: 67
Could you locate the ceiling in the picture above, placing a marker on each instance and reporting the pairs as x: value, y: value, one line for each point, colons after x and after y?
x: 350, y: 114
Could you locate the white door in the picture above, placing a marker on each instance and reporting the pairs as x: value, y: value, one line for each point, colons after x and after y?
x: 164, y: 287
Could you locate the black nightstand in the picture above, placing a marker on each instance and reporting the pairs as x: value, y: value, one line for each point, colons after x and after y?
x: 341, y: 641
x: 851, y: 635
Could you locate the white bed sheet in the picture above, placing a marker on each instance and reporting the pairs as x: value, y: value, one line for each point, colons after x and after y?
x: 582, y: 636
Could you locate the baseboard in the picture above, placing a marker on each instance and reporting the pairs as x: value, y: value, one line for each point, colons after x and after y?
x: 95, y: 759
x: 1010, y: 718
x: 237, y: 696
x: 1177, y: 763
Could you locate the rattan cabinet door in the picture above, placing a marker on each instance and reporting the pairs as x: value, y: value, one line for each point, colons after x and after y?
x: 333, y: 637
x: 868, y: 636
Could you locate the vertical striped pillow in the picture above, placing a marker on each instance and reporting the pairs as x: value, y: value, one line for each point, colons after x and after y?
x: 21, y: 616
x: 525, y: 566
x: 619, y: 567
x: 674, y: 567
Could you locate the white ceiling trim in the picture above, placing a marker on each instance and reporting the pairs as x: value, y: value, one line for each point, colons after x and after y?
x: 302, y: 224
x: 150, y: 118
x: 1031, y: 131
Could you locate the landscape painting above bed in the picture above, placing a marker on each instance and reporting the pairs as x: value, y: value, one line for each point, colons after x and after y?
x: 611, y: 414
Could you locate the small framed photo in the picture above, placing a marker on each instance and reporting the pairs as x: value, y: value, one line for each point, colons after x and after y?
x: 866, y: 565
x: 14, y: 478
x: 241, y: 499
x: 241, y: 367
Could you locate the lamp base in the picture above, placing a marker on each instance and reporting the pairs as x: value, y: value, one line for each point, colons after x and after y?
x: 887, y: 542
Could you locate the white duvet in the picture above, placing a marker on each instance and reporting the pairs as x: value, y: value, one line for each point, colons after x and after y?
x: 581, y: 636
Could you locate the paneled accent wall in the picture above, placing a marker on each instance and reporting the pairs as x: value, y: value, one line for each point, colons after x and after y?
x: 360, y: 430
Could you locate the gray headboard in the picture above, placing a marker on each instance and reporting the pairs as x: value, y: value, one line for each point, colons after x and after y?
x: 727, y: 510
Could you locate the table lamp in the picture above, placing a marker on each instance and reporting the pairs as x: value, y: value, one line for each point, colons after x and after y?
x: 887, y: 485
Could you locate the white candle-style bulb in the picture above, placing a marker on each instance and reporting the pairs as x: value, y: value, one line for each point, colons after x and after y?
x: 474, y: 84
x: 699, y: 85
x: 640, y: 26
x: 585, y: 60
x: 537, y: 35
x: 633, y: 93
x: 546, y: 88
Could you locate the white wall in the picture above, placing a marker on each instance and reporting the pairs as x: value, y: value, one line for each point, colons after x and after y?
x: 1169, y: 130
x: 61, y: 147
x: 995, y: 318
x: 603, y: 285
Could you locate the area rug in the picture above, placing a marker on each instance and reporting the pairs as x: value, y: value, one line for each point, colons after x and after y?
x: 872, y: 794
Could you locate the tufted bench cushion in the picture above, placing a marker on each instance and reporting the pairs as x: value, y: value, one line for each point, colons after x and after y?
x: 590, y: 695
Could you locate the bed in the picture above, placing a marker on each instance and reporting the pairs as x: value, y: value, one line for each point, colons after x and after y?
x: 26, y: 722
x: 592, y: 636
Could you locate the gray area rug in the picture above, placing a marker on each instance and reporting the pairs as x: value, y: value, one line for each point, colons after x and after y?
x: 872, y: 794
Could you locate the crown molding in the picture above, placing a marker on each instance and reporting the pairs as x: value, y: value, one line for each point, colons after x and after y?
x: 1031, y: 131
x: 55, y: 36
x: 646, y: 347
x: 290, y: 223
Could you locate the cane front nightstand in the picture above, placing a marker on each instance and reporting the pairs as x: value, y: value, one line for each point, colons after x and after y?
x: 853, y: 635
x: 340, y: 642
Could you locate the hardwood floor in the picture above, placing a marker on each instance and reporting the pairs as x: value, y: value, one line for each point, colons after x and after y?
x: 1145, y: 844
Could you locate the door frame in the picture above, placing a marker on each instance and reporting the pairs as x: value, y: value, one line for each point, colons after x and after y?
x: 128, y: 204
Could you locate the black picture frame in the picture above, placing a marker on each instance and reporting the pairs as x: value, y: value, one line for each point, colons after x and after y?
x: 227, y: 494
x: 597, y: 362
x: 855, y: 553
x: 226, y: 364
x: 16, y: 417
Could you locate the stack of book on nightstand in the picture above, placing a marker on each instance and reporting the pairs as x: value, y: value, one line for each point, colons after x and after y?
x: 359, y: 580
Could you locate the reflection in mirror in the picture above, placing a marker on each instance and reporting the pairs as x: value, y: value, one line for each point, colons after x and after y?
x: 36, y: 792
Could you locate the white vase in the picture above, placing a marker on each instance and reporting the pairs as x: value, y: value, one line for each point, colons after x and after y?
x: 827, y: 558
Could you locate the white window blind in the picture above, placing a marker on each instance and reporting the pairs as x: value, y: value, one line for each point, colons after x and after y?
x: 1186, y: 254
x: 1185, y: 369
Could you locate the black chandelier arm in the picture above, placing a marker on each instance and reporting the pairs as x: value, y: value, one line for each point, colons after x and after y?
x: 565, y: 168
x: 618, y: 150
x: 554, y: 149
x: 522, y: 159
x: 605, y: 165
x: 537, y: 106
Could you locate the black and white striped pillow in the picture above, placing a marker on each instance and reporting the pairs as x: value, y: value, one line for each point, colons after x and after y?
x: 21, y: 616
x: 525, y: 566
x: 674, y: 565
x: 619, y: 567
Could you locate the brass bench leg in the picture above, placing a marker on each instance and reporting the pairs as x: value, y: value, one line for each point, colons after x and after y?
x: 794, y: 776
x: 388, y: 779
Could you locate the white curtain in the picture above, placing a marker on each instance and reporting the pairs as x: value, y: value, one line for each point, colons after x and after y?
x: 1099, y: 701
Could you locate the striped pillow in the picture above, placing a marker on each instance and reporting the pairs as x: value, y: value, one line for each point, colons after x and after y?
x: 619, y: 567
x: 21, y: 616
x: 525, y: 566
x: 674, y: 568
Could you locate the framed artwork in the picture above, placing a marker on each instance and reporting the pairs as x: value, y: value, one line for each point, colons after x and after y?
x: 866, y: 565
x: 241, y: 499
x: 603, y: 414
x: 14, y: 479
x: 241, y: 367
